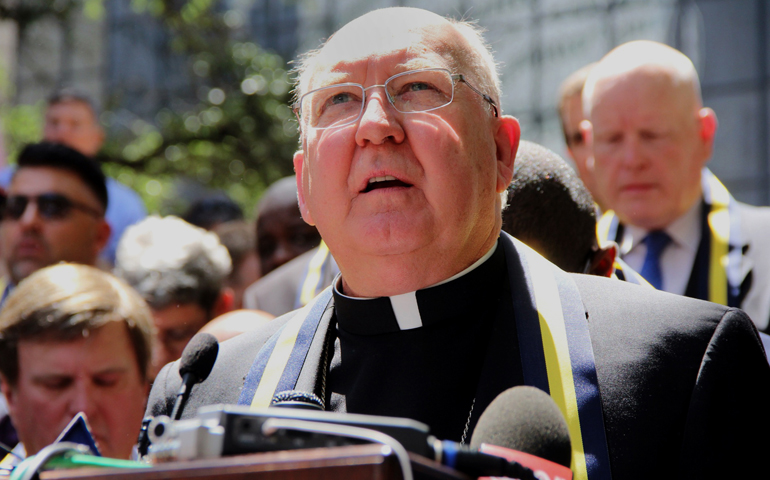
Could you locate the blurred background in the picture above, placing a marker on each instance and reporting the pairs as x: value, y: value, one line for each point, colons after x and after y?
x: 194, y: 94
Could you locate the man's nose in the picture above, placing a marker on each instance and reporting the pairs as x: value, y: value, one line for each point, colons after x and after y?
x: 83, y: 400
x: 379, y: 120
x: 284, y: 251
x: 57, y: 133
x: 31, y: 215
x: 632, y: 154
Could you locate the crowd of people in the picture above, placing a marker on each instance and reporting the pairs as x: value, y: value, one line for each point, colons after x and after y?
x: 421, y: 255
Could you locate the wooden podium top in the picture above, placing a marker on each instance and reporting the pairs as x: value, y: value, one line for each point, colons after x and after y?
x: 340, y: 463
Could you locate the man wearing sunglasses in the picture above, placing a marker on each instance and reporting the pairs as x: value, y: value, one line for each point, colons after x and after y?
x: 405, y: 153
x: 71, y: 118
x: 53, y: 212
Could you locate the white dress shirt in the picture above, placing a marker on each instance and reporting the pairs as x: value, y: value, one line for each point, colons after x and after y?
x: 678, y: 257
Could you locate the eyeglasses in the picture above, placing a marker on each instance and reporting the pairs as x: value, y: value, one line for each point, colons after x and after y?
x: 50, y: 206
x: 414, y: 91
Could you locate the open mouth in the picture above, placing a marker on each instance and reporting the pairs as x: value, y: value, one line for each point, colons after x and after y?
x: 388, y: 181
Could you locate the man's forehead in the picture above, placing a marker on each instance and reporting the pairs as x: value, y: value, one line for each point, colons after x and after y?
x: 70, y: 108
x: 44, y: 178
x: 649, y: 83
x: 39, y: 180
x: 106, y: 341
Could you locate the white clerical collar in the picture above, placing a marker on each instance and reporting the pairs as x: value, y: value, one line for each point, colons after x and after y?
x: 404, y: 311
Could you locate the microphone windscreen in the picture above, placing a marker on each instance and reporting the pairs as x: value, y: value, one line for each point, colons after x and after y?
x: 525, y: 419
x: 199, y: 356
x: 297, y: 399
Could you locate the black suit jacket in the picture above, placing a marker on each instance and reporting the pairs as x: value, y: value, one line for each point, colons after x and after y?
x: 683, y: 382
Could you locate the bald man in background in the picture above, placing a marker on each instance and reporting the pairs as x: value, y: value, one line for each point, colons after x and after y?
x: 286, y: 246
x: 674, y: 221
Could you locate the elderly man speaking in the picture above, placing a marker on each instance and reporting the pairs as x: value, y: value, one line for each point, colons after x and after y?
x: 405, y: 153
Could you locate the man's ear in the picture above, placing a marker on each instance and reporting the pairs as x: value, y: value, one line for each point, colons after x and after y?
x: 708, y: 123
x: 100, y: 135
x: 8, y: 393
x: 603, y: 260
x: 587, y: 130
x: 103, y: 231
x: 224, y: 302
x: 301, y: 174
x: 507, y: 139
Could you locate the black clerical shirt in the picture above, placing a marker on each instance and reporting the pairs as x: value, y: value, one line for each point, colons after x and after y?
x: 429, y: 373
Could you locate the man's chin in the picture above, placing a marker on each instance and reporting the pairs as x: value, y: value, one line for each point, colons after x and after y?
x: 644, y: 218
x: 22, y: 269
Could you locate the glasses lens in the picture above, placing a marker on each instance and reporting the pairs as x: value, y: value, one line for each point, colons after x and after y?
x: 332, y: 106
x: 15, y: 207
x: 53, y: 206
x: 421, y: 90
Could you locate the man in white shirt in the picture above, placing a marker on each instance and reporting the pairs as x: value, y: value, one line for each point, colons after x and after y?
x: 674, y: 221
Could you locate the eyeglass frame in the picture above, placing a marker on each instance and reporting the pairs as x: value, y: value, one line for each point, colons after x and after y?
x: 455, y: 77
x: 70, y: 205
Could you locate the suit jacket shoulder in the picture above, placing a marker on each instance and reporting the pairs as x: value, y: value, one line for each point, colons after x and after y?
x: 276, y: 292
x: 755, y: 228
x: 677, y: 377
x: 225, y: 381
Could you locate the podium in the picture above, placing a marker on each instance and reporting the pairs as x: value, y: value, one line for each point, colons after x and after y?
x: 340, y: 463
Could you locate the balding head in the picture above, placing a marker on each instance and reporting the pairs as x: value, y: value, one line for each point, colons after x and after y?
x: 646, y: 59
x: 651, y: 137
x: 402, y: 27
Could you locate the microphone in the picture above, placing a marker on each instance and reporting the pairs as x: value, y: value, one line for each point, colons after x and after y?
x: 530, y: 428
x: 197, y: 361
x: 470, y: 461
x: 198, y: 358
x: 297, y: 399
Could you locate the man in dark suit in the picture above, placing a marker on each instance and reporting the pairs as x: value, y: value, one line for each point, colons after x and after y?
x: 405, y: 155
x: 293, y: 284
x: 674, y: 221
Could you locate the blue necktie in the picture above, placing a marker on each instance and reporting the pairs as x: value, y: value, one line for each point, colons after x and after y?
x: 656, y: 241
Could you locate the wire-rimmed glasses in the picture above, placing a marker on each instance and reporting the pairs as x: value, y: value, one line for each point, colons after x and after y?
x: 414, y: 91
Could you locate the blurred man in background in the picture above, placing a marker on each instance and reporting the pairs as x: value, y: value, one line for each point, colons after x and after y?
x: 71, y: 119
x: 180, y: 270
x: 550, y: 210
x: 54, y: 211
x: 674, y: 220
x: 571, y: 114
x: 212, y: 211
x: 294, y: 266
x: 75, y: 339
x: 281, y: 233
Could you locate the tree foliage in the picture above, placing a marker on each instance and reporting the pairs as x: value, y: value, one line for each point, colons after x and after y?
x: 235, y: 131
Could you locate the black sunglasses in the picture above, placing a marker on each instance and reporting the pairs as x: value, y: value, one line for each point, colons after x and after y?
x: 50, y: 206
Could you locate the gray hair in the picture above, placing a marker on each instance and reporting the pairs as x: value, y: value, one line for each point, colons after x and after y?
x: 167, y: 261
